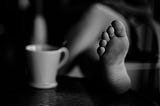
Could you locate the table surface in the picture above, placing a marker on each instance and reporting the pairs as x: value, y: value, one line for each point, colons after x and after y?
x: 70, y: 92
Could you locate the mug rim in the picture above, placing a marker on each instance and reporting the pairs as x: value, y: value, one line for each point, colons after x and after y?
x: 41, y: 48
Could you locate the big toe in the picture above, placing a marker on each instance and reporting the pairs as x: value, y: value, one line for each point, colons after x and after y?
x: 119, y: 28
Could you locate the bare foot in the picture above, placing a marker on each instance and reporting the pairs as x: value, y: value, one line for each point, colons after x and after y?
x: 112, y: 50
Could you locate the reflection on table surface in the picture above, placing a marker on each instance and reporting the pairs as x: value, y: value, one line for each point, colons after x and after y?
x: 70, y: 92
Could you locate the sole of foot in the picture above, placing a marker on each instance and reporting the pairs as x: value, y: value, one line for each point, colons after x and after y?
x: 112, y: 51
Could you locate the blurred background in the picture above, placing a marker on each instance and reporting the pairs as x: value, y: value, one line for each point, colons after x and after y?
x: 17, y: 18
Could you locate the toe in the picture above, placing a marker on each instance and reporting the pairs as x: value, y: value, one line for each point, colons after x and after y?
x: 103, y: 43
x: 100, y: 51
x: 110, y: 31
x: 119, y: 28
x: 105, y: 36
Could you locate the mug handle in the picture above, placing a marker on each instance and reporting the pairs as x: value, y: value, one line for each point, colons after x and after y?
x: 64, y: 51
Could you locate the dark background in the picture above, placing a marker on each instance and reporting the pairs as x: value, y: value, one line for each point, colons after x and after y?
x: 17, y: 27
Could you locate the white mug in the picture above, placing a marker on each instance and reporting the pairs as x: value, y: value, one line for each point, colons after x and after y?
x: 43, y: 64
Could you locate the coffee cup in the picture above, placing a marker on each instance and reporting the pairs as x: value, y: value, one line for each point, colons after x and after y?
x: 43, y: 62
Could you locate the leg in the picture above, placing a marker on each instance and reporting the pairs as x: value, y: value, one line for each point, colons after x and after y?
x: 113, y: 48
x: 85, y: 34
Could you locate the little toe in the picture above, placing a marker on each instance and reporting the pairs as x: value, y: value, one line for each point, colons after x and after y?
x: 110, y: 31
x: 105, y: 36
x: 102, y: 43
x: 119, y: 28
x: 100, y: 51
